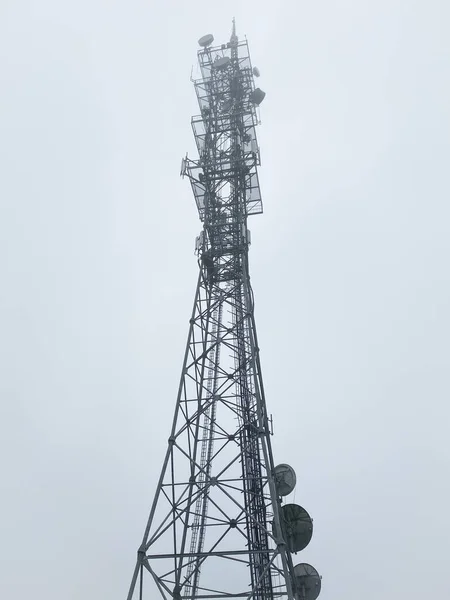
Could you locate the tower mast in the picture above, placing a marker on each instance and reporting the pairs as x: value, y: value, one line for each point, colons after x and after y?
x: 217, y: 527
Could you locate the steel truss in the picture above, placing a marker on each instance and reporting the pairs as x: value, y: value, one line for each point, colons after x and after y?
x: 211, y: 528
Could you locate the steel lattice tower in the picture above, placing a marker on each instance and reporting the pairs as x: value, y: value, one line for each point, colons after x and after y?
x: 217, y: 527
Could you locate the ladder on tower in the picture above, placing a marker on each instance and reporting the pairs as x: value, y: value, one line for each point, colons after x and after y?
x: 206, y: 453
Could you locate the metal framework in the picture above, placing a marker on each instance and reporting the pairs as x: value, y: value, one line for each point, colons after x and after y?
x: 212, y: 529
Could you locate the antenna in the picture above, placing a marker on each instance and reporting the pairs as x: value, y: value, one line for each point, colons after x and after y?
x: 206, y: 40
x: 308, y: 581
x: 234, y: 39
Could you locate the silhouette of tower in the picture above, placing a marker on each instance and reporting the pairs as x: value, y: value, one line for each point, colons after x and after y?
x: 218, y: 527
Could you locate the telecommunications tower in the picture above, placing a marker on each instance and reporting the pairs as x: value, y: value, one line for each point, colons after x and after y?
x: 218, y: 527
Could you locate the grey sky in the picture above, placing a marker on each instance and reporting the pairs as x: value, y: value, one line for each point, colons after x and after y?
x: 349, y: 266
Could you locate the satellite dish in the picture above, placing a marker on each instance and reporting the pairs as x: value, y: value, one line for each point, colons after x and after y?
x: 256, y: 72
x: 285, y: 478
x: 308, y: 581
x: 206, y: 40
x: 297, y: 527
x: 222, y: 62
x: 257, y: 96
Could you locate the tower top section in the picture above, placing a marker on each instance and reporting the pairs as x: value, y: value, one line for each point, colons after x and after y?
x: 234, y: 39
x: 224, y: 178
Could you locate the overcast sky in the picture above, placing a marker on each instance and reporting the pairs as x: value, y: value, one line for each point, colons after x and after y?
x: 349, y: 264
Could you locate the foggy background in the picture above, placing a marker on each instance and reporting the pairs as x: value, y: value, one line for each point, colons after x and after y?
x: 349, y: 266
